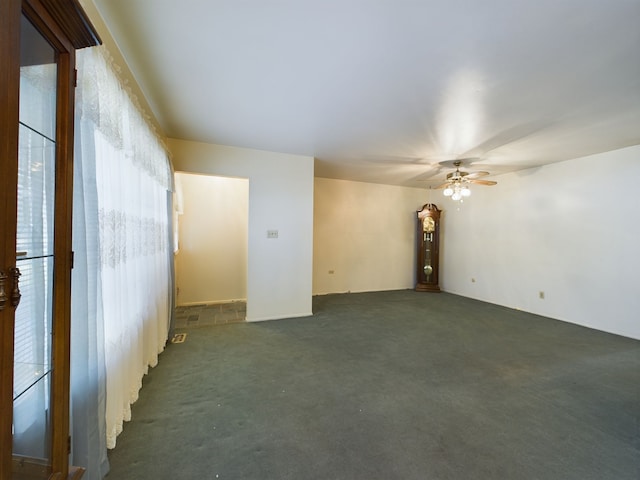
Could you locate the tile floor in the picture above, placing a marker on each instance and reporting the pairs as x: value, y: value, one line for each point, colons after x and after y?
x: 210, y: 314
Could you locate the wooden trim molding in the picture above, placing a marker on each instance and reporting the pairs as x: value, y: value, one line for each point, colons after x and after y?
x: 74, y: 22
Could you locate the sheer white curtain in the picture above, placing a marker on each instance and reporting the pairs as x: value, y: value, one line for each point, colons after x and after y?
x: 122, y: 275
x: 88, y: 372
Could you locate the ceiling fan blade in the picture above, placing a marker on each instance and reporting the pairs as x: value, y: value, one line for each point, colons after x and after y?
x: 477, y: 174
x: 483, y: 182
x: 444, y: 185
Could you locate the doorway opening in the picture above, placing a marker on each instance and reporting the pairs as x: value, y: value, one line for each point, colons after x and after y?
x: 211, y: 237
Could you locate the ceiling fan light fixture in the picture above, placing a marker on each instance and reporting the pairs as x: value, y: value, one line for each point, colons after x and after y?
x: 457, y: 183
x: 457, y: 191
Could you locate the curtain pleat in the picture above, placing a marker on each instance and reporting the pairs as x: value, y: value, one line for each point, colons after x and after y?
x: 88, y: 373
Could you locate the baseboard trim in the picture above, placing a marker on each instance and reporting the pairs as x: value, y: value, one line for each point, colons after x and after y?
x: 279, y: 317
x: 212, y: 302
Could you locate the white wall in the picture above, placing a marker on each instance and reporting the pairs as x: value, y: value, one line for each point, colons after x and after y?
x: 365, y: 234
x: 279, y: 275
x: 569, y: 229
x: 211, y: 264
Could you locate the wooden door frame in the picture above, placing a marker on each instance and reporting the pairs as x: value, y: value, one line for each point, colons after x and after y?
x: 10, y: 11
x: 65, y: 25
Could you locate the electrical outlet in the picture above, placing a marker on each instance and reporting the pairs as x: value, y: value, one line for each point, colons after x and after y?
x: 541, y: 295
x: 272, y: 233
x: 331, y: 272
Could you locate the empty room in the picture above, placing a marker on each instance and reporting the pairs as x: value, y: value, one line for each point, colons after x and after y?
x: 320, y: 239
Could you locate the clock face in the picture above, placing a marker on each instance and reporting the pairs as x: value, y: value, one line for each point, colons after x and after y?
x: 428, y: 225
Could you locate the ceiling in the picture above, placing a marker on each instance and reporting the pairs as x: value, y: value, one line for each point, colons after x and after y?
x: 382, y: 90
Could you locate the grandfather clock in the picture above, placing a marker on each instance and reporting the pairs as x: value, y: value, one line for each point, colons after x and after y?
x: 428, y: 248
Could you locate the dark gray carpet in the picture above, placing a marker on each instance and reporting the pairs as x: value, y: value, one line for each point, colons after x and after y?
x: 389, y: 385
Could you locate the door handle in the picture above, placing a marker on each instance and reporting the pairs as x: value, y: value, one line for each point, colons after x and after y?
x: 15, y: 293
x: 3, y: 293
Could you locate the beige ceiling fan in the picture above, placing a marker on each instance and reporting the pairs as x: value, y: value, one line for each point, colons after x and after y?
x: 457, y: 183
